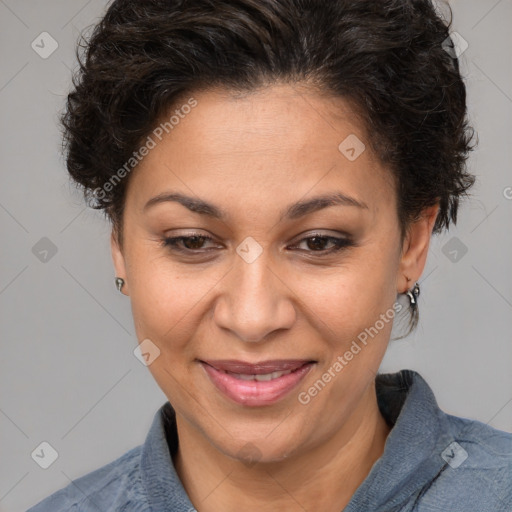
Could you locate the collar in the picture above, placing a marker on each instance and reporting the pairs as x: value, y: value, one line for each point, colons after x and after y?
x: 412, y: 454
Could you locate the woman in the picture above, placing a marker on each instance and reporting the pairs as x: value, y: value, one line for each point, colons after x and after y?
x: 273, y: 171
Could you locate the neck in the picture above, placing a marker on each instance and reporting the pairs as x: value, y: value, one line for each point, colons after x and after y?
x: 323, y: 478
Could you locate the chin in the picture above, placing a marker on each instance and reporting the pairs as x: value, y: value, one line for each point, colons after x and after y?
x: 260, y: 450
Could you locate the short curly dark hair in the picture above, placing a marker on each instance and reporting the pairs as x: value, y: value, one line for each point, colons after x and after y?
x: 388, y: 58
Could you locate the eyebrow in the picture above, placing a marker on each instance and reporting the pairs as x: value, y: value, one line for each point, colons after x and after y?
x: 292, y: 212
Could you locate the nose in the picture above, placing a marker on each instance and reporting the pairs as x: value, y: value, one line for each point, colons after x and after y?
x: 254, y: 301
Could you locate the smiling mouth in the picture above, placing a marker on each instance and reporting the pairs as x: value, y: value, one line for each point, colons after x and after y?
x: 259, y: 377
x: 256, y: 384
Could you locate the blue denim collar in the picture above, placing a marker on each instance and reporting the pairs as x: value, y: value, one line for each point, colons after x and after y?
x: 412, y: 454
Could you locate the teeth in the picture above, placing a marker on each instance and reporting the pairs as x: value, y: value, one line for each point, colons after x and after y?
x: 265, y: 377
x: 243, y: 377
x: 262, y: 377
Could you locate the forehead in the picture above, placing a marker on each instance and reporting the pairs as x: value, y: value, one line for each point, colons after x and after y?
x: 278, y: 143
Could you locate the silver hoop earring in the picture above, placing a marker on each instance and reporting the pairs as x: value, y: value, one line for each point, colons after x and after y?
x: 413, y: 296
x: 119, y: 283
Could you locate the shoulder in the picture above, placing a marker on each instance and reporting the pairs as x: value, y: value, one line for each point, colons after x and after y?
x: 115, y: 486
x: 477, y: 470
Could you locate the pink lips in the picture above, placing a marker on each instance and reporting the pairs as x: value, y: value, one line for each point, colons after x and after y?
x: 230, y: 377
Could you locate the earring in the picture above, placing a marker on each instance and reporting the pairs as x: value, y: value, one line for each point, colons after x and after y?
x: 119, y: 283
x: 413, y: 295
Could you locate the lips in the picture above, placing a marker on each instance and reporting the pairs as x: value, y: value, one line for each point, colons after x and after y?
x: 256, y: 384
x: 242, y: 367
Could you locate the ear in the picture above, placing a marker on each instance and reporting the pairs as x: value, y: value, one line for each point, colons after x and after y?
x: 119, y: 263
x: 415, y: 249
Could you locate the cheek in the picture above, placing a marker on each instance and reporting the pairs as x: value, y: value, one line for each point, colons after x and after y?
x: 167, y: 298
x: 157, y: 297
x: 161, y: 305
x: 352, y: 296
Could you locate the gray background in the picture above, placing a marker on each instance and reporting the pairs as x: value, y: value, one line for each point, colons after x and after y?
x: 68, y: 373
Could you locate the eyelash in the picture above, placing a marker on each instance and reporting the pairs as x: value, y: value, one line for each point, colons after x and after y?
x: 339, y: 243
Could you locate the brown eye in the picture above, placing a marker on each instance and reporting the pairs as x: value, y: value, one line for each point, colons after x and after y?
x: 317, y: 244
x: 192, y: 243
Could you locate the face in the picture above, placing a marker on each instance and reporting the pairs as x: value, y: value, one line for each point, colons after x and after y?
x: 265, y: 271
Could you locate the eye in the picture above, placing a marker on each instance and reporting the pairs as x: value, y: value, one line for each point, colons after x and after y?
x: 317, y: 242
x: 194, y: 244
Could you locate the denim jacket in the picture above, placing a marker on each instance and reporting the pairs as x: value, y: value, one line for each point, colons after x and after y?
x: 432, y: 462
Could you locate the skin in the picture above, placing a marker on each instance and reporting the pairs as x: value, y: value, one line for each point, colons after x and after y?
x: 253, y: 155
